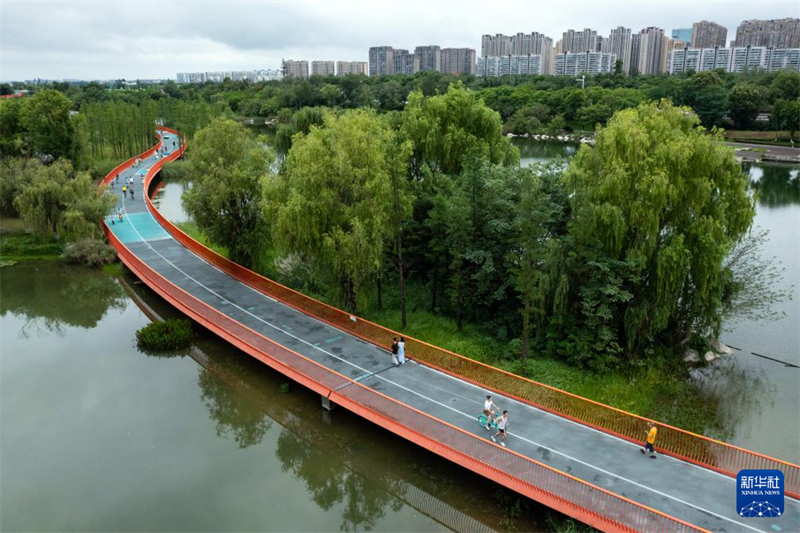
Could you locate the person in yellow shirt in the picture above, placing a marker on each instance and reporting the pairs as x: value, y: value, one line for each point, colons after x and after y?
x: 652, y: 431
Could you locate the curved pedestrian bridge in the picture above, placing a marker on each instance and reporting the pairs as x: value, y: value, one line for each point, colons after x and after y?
x: 574, y: 455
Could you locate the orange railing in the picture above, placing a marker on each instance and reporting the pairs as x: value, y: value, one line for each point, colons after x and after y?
x: 716, y: 455
x: 586, y: 502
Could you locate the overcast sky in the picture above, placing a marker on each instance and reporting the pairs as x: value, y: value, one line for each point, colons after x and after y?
x: 156, y: 39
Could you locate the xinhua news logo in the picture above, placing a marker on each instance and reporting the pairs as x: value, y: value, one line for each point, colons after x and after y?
x: 759, y: 493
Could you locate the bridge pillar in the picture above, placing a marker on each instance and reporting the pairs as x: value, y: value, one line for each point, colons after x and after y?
x: 327, y: 404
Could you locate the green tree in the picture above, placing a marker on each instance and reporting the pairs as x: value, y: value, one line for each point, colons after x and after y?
x: 46, y: 121
x: 525, y: 120
x: 444, y: 128
x: 334, y: 203
x: 58, y: 201
x: 706, y: 95
x: 11, y: 143
x: 658, y: 204
x: 745, y: 101
x: 541, y: 216
x: 227, y: 168
x: 786, y: 116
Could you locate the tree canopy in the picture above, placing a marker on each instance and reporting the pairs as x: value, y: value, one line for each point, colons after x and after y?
x: 333, y: 205
x: 227, y: 168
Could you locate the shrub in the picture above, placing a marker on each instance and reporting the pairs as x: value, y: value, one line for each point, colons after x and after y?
x: 170, y: 335
x: 91, y: 252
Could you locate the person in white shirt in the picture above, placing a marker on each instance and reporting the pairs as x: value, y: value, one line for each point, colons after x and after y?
x: 489, y: 410
x: 502, y: 424
x: 401, y: 350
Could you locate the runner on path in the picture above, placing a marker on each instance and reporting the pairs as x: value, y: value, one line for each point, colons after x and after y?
x: 502, y: 424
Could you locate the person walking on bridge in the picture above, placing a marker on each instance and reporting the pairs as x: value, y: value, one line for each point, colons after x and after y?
x: 395, y: 350
x: 124, y: 190
x: 401, y: 350
x: 652, y: 431
x: 502, y: 425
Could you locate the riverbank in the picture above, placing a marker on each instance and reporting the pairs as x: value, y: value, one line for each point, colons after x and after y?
x: 758, y: 152
x: 18, y: 245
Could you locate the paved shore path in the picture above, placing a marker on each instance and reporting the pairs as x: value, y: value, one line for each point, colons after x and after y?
x: 677, y: 488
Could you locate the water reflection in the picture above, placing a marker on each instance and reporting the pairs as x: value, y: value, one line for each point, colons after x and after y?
x: 330, y: 482
x: 532, y: 151
x: 51, y: 296
x: 777, y: 184
x: 235, y: 418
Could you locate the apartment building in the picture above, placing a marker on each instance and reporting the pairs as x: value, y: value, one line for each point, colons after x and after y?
x: 344, y: 68
x: 579, y: 41
x: 520, y: 44
x: 296, y: 69
x: 739, y: 59
x: 707, y: 34
x: 649, y: 51
x: 405, y: 62
x: 458, y: 60
x: 490, y: 66
x: 619, y: 44
x: 381, y: 60
x: 322, y: 68
x: 430, y: 58
x: 591, y: 63
x: 778, y: 33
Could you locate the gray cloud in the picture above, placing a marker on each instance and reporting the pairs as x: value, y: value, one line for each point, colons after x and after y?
x: 149, y: 39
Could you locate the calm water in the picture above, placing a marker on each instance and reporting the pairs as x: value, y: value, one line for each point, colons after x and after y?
x: 96, y: 435
x: 760, y: 398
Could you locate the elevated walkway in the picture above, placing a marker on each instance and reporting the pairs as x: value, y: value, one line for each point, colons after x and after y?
x: 577, y: 456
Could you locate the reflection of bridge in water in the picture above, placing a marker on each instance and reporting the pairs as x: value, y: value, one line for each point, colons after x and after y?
x: 574, y: 455
x: 311, y: 432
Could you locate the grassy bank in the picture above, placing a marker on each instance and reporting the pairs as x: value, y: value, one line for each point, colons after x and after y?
x: 17, y: 245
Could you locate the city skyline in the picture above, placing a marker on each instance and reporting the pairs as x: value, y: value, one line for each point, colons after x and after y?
x: 71, y: 44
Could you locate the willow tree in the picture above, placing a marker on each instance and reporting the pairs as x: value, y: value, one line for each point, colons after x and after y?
x: 335, y: 204
x: 227, y: 167
x: 58, y: 201
x: 658, y: 203
x: 444, y: 128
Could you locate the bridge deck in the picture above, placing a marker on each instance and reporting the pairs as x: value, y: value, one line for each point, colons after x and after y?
x: 686, y: 491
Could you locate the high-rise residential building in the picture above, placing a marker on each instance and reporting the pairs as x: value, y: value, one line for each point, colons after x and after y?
x: 322, y: 68
x: 682, y: 34
x: 405, y: 62
x: 782, y: 58
x: 649, y: 51
x: 780, y: 33
x: 619, y: 44
x: 344, y: 68
x: 381, y: 60
x: 589, y: 62
x: 579, y: 41
x: 490, y: 66
x: 430, y: 58
x: 681, y: 60
x: 521, y: 44
x: 737, y: 59
x: 744, y: 58
x: 458, y: 60
x: 297, y: 69
x: 707, y: 34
